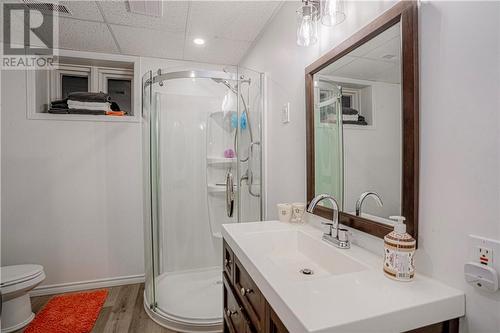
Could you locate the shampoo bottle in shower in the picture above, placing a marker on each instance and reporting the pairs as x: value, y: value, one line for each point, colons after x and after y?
x: 399, y: 250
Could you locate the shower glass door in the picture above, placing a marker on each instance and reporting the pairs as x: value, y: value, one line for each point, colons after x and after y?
x: 328, y: 133
x: 250, y: 143
x: 203, y: 134
x: 147, y: 195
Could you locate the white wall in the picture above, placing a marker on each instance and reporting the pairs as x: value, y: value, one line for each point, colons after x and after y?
x: 71, y: 193
x: 71, y: 190
x: 460, y: 130
x: 372, y: 154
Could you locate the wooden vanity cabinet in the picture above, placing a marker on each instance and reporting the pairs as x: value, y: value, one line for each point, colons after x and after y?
x: 245, y: 307
x: 235, y: 319
x: 274, y: 324
x: 249, y: 296
x: 247, y: 311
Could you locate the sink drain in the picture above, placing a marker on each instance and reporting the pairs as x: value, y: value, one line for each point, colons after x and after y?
x: 307, y: 271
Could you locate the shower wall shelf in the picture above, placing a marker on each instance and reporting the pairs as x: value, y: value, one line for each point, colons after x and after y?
x: 214, y: 188
x: 213, y: 160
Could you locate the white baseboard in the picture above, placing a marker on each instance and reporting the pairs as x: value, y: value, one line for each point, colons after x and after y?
x: 85, y: 285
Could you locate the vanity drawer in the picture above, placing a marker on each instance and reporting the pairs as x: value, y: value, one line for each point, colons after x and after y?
x: 252, y: 299
x: 235, y: 319
x: 228, y: 261
x: 273, y: 322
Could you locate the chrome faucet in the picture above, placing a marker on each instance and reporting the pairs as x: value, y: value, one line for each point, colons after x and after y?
x: 336, y: 236
x: 362, y: 198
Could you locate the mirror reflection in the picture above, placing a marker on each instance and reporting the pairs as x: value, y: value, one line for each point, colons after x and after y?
x: 358, y: 155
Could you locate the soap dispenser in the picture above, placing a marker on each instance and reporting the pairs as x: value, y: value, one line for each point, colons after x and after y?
x: 399, y: 250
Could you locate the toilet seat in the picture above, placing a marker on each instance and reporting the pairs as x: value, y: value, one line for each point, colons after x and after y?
x: 15, y: 284
x: 16, y: 274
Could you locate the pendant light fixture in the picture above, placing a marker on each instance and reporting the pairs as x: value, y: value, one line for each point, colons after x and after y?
x: 307, y: 17
x: 328, y: 12
x: 332, y: 12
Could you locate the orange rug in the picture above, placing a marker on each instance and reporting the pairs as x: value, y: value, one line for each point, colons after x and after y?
x: 71, y: 313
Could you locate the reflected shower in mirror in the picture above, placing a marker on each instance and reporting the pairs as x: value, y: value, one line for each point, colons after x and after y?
x: 358, y: 128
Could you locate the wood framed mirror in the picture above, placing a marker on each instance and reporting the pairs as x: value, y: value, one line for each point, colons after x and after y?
x: 362, y: 116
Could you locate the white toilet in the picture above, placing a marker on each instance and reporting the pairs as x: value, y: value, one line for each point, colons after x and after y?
x: 16, y: 282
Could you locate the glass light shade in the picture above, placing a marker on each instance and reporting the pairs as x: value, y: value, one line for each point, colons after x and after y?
x: 307, y: 31
x: 332, y: 12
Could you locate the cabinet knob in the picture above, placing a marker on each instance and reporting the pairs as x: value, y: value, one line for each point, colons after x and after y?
x: 227, y: 261
x: 229, y: 313
x: 244, y: 291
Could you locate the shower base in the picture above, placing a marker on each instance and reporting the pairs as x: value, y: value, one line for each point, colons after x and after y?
x: 189, y: 301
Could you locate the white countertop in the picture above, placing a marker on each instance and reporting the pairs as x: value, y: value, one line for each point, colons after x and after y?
x: 358, y: 301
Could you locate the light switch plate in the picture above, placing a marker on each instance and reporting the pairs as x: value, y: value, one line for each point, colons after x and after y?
x: 285, y: 113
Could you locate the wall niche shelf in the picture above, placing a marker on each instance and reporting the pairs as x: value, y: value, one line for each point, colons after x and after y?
x: 44, y: 86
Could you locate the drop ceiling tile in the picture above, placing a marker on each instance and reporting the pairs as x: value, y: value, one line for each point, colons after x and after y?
x: 364, y: 69
x: 391, y: 75
x: 377, y: 41
x: 238, y: 20
x: 216, y: 50
x: 331, y: 69
x: 38, y: 39
x: 389, y: 48
x: 149, y: 43
x: 85, y: 36
x: 16, y: 27
x: 83, y: 10
x: 173, y: 19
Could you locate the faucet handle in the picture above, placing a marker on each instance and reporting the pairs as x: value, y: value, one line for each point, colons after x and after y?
x: 343, y: 235
x: 327, y: 223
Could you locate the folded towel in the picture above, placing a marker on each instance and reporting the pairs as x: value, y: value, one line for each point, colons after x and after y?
x: 60, y: 101
x: 361, y: 121
x: 350, y: 111
x: 347, y: 117
x: 59, y: 104
x: 58, y: 110
x: 85, y: 111
x: 114, y: 106
x: 115, y: 113
x: 97, y: 106
x: 89, y: 97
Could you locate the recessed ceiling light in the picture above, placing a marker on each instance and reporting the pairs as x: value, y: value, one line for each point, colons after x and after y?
x: 199, y: 41
x: 389, y: 56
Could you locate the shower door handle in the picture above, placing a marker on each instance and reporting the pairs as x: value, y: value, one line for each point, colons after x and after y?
x: 250, y: 172
x: 229, y: 193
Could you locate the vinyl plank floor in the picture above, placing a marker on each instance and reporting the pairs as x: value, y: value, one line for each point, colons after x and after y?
x: 123, y: 312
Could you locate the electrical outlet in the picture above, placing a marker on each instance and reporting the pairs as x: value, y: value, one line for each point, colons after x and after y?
x: 285, y: 113
x: 484, y: 251
x: 484, y: 255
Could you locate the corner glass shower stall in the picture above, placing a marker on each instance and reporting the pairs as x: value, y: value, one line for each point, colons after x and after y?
x: 202, y: 144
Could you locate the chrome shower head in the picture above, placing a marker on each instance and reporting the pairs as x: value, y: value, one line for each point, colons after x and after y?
x: 226, y: 83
